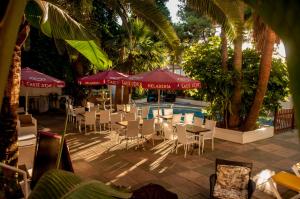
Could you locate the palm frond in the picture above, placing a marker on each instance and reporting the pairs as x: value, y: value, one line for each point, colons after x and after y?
x: 56, y: 23
x: 212, y: 10
x: 152, y: 16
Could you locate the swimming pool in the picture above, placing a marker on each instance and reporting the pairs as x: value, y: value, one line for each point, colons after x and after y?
x: 179, y: 109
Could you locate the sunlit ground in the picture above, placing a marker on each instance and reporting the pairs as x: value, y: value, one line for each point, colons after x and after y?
x: 101, y: 157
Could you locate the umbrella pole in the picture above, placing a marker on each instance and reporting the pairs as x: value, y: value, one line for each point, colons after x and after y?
x: 26, y: 102
x: 110, y: 97
x: 158, y: 102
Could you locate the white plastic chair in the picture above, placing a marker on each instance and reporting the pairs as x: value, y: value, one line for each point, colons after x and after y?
x: 78, y: 112
x: 155, y: 112
x: 147, y: 130
x: 70, y: 113
x: 169, y: 134
x: 120, y: 107
x: 132, y: 131
x: 104, y: 118
x: 185, y: 140
x: 114, y: 118
x: 130, y: 116
x: 188, y: 118
x: 145, y: 112
x: 133, y: 109
x: 176, y: 119
x: 198, y: 121
x: 168, y: 111
x: 208, y: 135
x: 88, y: 119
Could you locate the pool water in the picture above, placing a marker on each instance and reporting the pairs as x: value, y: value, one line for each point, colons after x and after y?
x: 177, y: 110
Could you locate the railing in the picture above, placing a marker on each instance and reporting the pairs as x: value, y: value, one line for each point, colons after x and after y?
x: 26, y: 191
x: 284, y: 119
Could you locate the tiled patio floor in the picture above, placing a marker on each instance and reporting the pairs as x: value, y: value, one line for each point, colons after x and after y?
x: 97, y: 156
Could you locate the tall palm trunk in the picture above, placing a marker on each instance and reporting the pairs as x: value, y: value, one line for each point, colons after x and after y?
x: 236, y: 99
x: 234, y: 117
x: 263, y: 79
x: 8, y: 115
x: 224, y: 51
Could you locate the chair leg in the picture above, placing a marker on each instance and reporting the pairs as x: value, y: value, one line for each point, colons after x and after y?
x: 126, y: 143
x: 199, y: 146
x: 185, y: 149
x: 212, y: 144
x: 202, y: 145
x: 274, y: 188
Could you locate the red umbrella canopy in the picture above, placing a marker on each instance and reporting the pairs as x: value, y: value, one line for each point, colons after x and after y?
x: 36, y: 79
x: 110, y: 77
x: 161, y: 79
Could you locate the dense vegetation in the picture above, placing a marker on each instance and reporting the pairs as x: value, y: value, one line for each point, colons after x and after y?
x: 203, y: 61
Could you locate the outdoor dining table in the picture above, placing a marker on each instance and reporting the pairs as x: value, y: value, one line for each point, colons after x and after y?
x: 125, y: 123
x: 167, y: 117
x: 191, y: 128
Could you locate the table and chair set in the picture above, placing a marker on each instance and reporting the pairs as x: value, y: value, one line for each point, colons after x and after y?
x: 132, y: 123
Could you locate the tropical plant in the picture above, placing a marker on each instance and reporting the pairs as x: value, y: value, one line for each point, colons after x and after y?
x: 203, y: 61
x: 56, y: 184
x: 230, y: 14
x: 146, y: 53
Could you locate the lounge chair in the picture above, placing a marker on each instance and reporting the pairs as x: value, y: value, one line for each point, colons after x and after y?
x: 232, y: 180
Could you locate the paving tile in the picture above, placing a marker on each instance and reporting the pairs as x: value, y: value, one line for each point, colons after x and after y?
x: 97, y: 156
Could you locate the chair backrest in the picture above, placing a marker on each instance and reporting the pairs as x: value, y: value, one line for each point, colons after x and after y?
x: 70, y: 109
x: 104, y: 116
x: 133, y: 128
x: 168, y: 131
x: 188, y: 118
x: 210, y: 124
x: 198, y: 121
x: 234, y: 163
x: 79, y: 110
x: 176, y: 118
x: 168, y: 111
x: 133, y: 109
x: 155, y: 112
x: 120, y: 107
x: 145, y: 111
x: 90, y: 117
x: 127, y: 107
x: 130, y: 116
x: 181, y: 133
x: 148, y: 127
x: 115, y: 117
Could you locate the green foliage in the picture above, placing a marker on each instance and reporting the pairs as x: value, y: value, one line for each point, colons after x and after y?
x: 193, y: 27
x: 57, y: 184
x: 56, y: 23
x: 147, y: 51
x: 203, y: 61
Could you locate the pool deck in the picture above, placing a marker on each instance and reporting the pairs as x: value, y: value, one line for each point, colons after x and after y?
x: 97, y: 156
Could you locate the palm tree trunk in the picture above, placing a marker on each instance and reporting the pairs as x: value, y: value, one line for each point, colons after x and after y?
x: 224, y: 51
x: 234, y: 117
x: 8, y: 115
x: 236, y: 99
x: 11, y: 14
x: 263, y: 79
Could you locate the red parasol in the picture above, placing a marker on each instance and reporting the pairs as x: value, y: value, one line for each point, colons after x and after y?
x: 36, y: 79
x: 161, y: 79
x: 33, y: 78
x: 110, y: 77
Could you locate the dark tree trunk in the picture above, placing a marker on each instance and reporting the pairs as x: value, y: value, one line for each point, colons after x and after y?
x: 234, y: 118
x: 263, y: 79
x: 224, y: 51
x: 8, y: 115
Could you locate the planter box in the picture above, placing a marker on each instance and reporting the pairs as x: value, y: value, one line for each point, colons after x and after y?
x: 244, y: 137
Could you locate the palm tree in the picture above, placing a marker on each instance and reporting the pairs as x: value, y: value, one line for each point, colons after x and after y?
x: 55, y: 23
x: 265, y: 39
x: 230, y: 14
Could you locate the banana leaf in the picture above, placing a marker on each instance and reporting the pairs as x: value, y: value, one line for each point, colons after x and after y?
x: 57, y: 184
